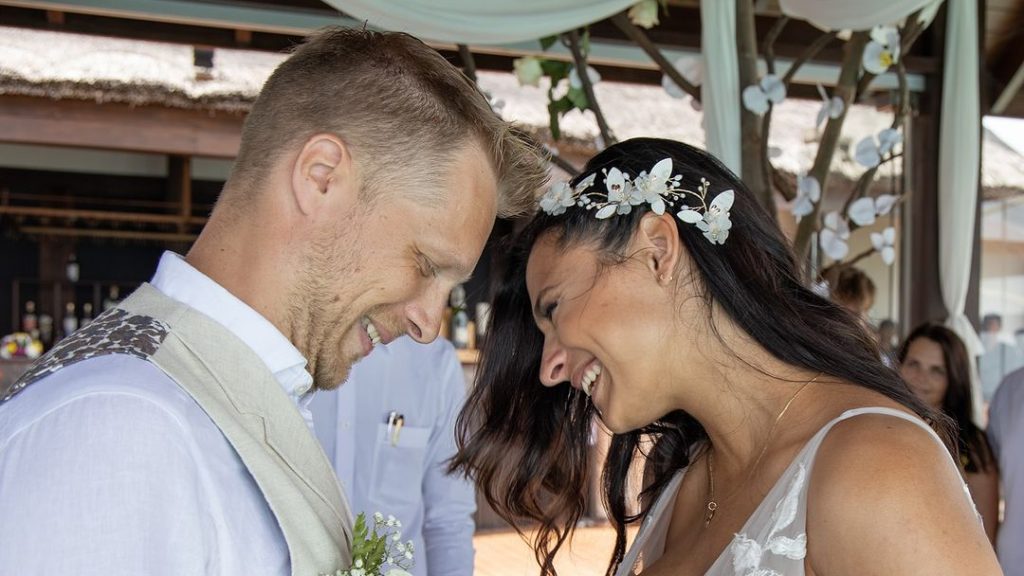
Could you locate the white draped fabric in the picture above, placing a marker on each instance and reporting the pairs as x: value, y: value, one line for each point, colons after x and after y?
x: 481, y: 22
x: 720, y: 90
x: 959, y: 165
x: 850, y: 14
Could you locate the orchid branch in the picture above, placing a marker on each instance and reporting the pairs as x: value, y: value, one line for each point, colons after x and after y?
x: 865, y: 180
x: 588, y: 87
x: 811, y: 51
x: 634, y: 33
x: 845, y: 89
x: 563, y: 164
x: 468, y: 63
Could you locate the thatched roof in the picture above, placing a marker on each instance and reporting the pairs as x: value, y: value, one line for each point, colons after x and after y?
x: 74, y: 66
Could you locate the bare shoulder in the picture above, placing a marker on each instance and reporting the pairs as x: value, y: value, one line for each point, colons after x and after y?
x: 885, y: 497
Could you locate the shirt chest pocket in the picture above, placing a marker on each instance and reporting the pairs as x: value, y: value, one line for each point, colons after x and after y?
x: 399, y: 464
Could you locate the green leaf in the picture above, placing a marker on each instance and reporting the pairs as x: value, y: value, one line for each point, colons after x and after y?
x: 556, y: 69
x: 585, y: 41
x: 548, y: 41
x: 578, y: 98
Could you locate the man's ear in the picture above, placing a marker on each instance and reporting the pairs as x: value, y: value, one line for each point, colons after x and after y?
x: 323, y: 162
x: 660, y: 235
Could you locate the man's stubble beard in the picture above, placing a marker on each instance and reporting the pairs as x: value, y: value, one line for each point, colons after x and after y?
x: 321, y: 309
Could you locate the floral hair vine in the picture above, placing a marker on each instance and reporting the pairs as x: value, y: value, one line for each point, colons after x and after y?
x: 659, y: 188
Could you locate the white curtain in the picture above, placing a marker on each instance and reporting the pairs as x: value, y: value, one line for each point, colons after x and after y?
x: 720, y: 90
x: 852, y: 14
x: 959, y: 165
x: 481, y: 21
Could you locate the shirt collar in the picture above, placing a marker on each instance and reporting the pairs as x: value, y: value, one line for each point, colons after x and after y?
x: 177, y: 279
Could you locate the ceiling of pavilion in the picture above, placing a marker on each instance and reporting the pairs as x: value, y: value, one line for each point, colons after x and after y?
x: 277, y: 24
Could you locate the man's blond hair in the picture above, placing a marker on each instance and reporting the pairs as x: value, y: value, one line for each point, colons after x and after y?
x: 401, y: 108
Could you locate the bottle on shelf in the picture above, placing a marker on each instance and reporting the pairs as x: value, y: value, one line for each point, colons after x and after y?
x: 460, y: 319
x: 86, y: 314
x: 113, y: 298
x: 29, y: 320
x: 72, y: 269
x: 46, y: 330
x: 70, y: 321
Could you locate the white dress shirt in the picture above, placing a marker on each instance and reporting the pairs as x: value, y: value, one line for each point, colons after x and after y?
x: 108, y: 467
x: 424, y: 384
x: 1006, y: 434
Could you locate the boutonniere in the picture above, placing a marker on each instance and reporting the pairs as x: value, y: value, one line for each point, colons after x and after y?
x: 378, y: 550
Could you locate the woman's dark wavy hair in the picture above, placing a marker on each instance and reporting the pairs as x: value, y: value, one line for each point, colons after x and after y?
x: 525, y: 445
x: 957, y: 403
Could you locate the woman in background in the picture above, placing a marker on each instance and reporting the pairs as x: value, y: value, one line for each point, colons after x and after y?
x: 934, y: 362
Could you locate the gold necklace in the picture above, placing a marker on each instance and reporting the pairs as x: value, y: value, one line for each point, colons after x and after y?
x: 712, y: 505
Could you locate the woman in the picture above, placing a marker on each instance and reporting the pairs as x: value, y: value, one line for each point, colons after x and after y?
x: 656, y: 293
x: 934, y: 362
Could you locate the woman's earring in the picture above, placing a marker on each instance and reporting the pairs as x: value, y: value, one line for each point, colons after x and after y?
x: 664, y: 278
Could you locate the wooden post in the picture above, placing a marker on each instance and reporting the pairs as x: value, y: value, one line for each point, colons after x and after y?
x: 179, y: 188
x: 921, y: 294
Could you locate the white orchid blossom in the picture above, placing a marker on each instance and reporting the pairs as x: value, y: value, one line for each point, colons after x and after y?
x: 870, y: 150
x: 652, y: 187
x: 888, y: 139
x: 757, y: 98
x: 863, y: 211
x: 834, y: 235
x: 644, y: 14
x: 574, y: 77
x: 691, y: 68
x: 830, y: 107
x: 622, y: 195
x: 528, y: 70
x: 808, y: 193
x: 557, y: 199
x: 716, y: 223
x: 885, y: 244
x: 883, y: 50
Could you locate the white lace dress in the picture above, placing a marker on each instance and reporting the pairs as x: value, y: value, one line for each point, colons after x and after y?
x: 773, y: 542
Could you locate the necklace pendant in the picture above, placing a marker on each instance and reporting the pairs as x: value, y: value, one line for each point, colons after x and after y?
x: 712, y: 508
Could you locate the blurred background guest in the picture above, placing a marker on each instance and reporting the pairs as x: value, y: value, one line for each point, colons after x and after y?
x: 934, y: 362
x: 888, y: 342
x: 851, y: 288
x: 1001, y: 355
x: 389, y: 431
x: 1006, y: 435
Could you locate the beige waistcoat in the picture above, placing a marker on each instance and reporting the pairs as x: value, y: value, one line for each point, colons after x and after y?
x: 242, y: 397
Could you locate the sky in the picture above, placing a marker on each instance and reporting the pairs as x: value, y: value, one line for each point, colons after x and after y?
x: 1009, y: 130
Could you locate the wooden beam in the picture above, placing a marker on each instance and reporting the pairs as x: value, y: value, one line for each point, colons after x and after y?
x: 113, y: 234
x: 1007, y: 69
x: 101, y: 215
x: 77, y: 123
x: 1010, y: 91
x: 243, y: 37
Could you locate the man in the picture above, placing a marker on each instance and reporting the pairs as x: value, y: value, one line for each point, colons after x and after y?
x: 1006, y: 435
x: 171, y: 435
x: 390, y: 430
x: 1001, y: 355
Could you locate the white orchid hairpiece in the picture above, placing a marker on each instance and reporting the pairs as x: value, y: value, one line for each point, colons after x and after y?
x: 659, y: 188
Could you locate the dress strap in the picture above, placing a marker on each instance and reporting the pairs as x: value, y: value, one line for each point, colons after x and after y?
x: 812, y: 446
